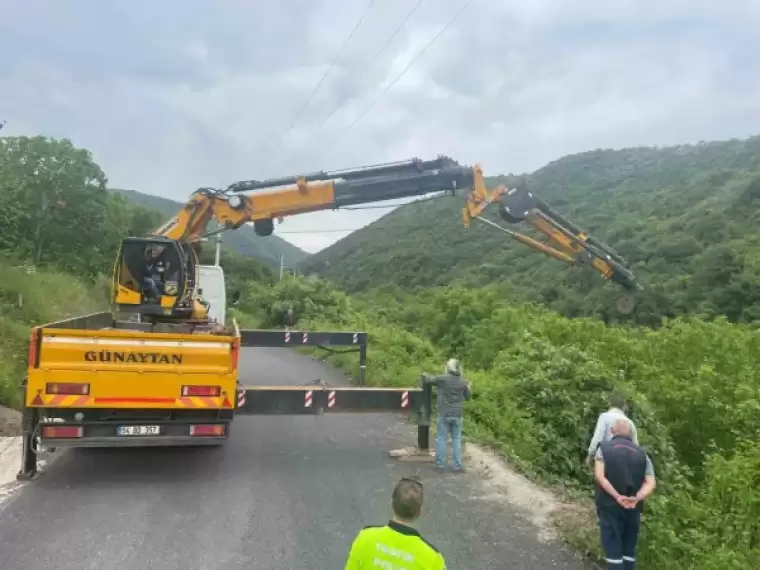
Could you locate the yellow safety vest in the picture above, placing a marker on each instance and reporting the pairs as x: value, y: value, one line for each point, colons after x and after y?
x: 393, y: 547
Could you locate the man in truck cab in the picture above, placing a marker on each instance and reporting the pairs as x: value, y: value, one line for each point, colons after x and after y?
x: 397, y: 544
x: 155, y: 269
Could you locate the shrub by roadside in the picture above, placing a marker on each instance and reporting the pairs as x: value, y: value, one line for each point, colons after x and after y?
x: 31, y: 297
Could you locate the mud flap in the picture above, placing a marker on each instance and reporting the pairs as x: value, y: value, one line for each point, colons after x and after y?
x: 29, y: 452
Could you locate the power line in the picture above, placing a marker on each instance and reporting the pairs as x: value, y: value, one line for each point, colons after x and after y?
x: 407, y: 68
x: 329, y: 69
x: 417, y: 201
x: 347, y: 230
x: 372, y: 207
x: 324, y: 76
x: 369, y: 65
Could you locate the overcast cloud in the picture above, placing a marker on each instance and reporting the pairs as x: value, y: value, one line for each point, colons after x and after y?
x: 173, y: 95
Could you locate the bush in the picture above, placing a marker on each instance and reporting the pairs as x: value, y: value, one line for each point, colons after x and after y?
x: 308, y: 298
x: 31, y: 297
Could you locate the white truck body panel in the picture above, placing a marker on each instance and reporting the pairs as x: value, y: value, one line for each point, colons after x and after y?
x: 212, y: 290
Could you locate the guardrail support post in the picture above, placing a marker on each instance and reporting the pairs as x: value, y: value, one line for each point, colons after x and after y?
x: 421, y: 452
x: 423, y: 421
x: 362, y: 363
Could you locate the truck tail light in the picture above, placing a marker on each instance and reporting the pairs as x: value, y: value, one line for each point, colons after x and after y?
x: 213, y: 391
x: 235, y: 353
x: 33, y: 348
x: 207, y: 430
x: 67, y: 388
x: 62, y: 431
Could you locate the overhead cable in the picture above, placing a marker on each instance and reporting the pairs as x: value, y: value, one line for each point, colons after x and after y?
x: 324, y: 76
x: 400, y: 75
x: 329, y: 69
x: 346, y: 94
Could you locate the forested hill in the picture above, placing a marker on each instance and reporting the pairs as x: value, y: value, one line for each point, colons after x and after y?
x: 685, y: 217
x: 243, y: 240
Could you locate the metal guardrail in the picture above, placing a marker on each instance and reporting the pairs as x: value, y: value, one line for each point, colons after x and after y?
x: 357, y: 341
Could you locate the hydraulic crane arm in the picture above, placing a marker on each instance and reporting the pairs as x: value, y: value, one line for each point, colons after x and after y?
x: 279, y: 198
x: 135, y: 285
x: 282, y: 197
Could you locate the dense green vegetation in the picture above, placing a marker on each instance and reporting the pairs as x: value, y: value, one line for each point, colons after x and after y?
x: 55, y: 210
x: 685, y: 218
x: 540, y: 380
x: 244, y: 241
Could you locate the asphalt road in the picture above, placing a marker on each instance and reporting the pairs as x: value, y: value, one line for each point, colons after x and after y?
x: 285, y: 493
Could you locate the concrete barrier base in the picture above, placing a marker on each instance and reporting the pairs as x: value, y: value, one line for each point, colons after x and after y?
x: 413, y: 455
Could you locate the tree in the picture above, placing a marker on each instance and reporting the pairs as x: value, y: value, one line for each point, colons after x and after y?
x: 58, y: 203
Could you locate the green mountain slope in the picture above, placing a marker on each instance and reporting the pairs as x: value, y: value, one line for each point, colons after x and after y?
x: 243, y: 241
x: 685, y: 217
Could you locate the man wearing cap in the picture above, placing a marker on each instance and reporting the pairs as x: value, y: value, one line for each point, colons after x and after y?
x: 453, y: 390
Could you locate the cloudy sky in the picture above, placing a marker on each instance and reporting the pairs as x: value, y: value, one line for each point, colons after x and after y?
x: 173, y: 95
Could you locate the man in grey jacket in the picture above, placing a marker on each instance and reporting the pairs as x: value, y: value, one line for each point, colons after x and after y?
x: 453, y: 390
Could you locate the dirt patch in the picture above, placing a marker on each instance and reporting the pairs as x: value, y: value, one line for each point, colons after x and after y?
x: 10, y: 422
x: 504, y: 484
x: 570, y: 516
x: 10, y: 461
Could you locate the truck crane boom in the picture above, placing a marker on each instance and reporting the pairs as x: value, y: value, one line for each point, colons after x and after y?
x: 170, y: 254
x: 278, y: 198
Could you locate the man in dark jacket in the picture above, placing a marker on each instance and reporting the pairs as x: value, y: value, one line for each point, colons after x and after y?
x: 624, y: 478
x: 156, y: 266
x: 453, y: 390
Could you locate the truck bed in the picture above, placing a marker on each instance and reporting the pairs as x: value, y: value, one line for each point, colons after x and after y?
x: 99, y: 382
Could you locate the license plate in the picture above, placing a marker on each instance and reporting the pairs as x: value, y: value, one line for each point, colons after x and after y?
x: 139, y: 430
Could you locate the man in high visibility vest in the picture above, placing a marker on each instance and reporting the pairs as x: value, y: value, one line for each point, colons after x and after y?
x: 397, y: 545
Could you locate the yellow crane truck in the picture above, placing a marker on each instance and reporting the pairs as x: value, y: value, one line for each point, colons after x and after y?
x: 157, y: 371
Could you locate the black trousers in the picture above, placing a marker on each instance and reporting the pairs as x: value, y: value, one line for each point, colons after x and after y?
x: 619, y: 529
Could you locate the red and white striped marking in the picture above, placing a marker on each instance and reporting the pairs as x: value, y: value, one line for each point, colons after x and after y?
x: 331, y: 399
x: 305, y: 338
x: 307, y: 399
x: 405, y: 399
x: 287, y: 336
x: 241, y: 398
x: 356, y: 338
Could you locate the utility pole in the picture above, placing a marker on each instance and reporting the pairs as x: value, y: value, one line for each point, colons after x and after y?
x: 218, y: 254
x: 282, y: 265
